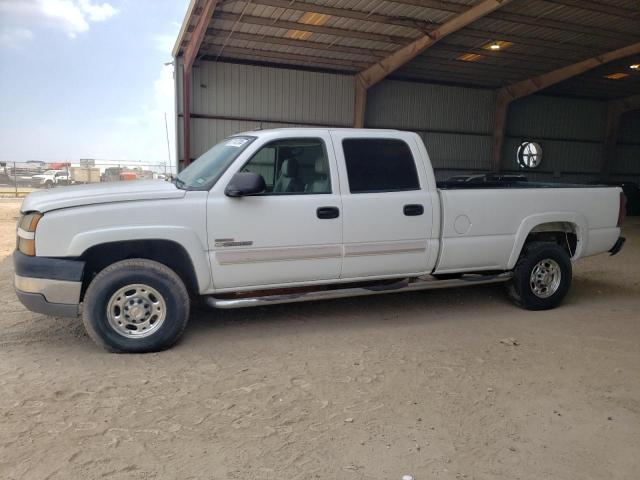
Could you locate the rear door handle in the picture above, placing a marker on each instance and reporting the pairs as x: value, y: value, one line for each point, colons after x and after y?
x: 325, y: 213
x: 413, y: 210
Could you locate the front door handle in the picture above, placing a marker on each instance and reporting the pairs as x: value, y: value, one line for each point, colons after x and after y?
x: 413, y: 210
x: 325, y: 213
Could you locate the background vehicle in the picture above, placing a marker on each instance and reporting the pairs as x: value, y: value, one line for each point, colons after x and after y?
x: 85, y: 174
x: 290, y: 215
x: 118, y: 174
x: 51, y: 178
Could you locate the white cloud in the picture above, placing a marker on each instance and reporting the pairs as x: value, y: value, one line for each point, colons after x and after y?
x: 74, y: 15
x: 97, y: 13
x: 71, y: 16
x: 14, y: 37
x: 67, y: 14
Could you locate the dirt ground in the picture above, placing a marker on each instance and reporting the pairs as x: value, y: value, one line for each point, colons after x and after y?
x: 368, y: 388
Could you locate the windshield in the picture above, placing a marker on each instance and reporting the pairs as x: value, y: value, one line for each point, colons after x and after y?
x: 50, y: 172
x: 207, y: 169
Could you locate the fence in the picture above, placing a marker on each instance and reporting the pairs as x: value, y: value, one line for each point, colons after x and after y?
x: 18, y: 179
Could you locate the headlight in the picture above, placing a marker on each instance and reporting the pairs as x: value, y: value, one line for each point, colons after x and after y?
x: 27, y: 233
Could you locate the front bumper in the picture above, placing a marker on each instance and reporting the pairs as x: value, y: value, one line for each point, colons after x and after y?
x: 51, y: 286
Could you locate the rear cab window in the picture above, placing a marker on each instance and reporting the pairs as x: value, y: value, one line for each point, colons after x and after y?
x: 379, y: 165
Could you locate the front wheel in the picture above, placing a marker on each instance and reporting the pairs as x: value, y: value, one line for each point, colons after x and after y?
x: 542, y: 276
x: 136, y: 306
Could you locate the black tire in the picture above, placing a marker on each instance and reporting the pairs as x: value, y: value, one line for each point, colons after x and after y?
x: 520, y: 289
x: 48, y: 184
x: 164, y: 281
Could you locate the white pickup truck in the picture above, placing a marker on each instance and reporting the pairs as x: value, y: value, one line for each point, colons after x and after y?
x: 51, y: 178
x: 290, y: 215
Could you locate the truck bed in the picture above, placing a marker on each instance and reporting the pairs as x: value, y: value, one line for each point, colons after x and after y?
x: 447, y: 185
x: 484, y: 225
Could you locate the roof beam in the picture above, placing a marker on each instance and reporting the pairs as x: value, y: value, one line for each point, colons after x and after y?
x: 290, y: 42
x: 325, y: 62
x: 386, y: 66
x: 421, y: 25
x: 337, y: 12
x: 189, y: 58
x: 524, y: 88
x: 615, y: 110
x: 521, y: 40
x: 522, y: 19
x: 599, y: 7
x: 522, y: 58
x: 191, y: 52
x: 337, y: 32
x: 532, y: 85
x: 383, y: 68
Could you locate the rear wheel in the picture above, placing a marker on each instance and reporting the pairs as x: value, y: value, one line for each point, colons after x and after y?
x: 542, y: 276
x: 136, y: 306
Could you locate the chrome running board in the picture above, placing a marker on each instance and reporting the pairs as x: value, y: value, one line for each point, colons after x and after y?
x: 341, y: 291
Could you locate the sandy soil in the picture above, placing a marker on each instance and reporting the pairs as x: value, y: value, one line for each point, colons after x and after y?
x: 372, y: 388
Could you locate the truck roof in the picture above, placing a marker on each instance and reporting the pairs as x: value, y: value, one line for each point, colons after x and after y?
x: 265, y: 131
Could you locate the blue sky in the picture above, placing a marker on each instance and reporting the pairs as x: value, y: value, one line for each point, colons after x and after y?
x: 86, y: 79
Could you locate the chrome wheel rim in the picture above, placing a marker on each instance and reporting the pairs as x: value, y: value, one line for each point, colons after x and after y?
x: 136, y: 311
x: 545, y: 278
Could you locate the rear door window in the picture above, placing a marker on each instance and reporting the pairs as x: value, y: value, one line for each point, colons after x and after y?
x: 379, y: 165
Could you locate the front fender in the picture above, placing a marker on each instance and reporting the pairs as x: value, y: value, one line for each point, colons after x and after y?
x: 70, y: 232
x: 81, y: 242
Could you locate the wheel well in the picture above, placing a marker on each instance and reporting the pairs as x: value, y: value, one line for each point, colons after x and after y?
x: 167, y: 252
x: 562, y: 233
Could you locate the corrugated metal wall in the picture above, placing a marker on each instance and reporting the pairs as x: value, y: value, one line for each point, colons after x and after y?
x: 229, y: 98
x: 628, y: 155
x: 455, y: 122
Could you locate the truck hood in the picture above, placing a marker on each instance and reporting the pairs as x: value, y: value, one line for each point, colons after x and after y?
x: 108, y: 192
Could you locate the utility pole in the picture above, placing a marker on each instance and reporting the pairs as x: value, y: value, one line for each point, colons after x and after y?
x: 166, y: 129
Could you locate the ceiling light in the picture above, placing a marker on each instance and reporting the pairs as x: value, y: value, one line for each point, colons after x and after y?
x: 470, y: 57
x: 497, y: 45
x: 616, y: 76
x: 635, y: 66
x: 311, y: 18
x: 298, y: 34
x: 308, y: 18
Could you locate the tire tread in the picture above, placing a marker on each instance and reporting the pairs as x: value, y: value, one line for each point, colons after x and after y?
x: 135, y: 264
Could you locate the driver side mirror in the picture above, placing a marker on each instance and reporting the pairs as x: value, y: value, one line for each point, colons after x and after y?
x: 243, y: 184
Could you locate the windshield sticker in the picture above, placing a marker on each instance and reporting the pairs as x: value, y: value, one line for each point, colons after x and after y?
x: 236, y: 142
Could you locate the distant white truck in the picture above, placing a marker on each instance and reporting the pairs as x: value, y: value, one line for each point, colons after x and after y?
x: 291, y: 215
x: 72, y: 175
x: 51, y: 178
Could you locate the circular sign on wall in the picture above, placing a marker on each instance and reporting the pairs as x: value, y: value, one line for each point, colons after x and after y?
x: 529, y: 154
